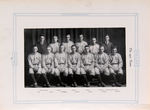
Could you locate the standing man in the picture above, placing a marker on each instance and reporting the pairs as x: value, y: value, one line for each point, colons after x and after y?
x: 101, y: 65
x: 48, y: 64
x: 87, y: 65
x: 34, y: 60
x: 115, y: 66
x: 108, y: 45
x: 61, y: 65
x: 74, y: 64
x: 55, y: 45
x: 42, y: 45
x: 81, y: 44
x: 68, y: 44
x: 94, y: 48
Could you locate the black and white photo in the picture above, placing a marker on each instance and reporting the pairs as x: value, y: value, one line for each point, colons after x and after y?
x: 75, y: 57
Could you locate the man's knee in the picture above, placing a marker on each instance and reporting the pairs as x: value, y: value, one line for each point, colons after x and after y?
x: 97, y: 71
x: 92, y: 72
x: 39, y: 71
x: 52, y: 71
x: 66, y: 72
x: 82, y: 71
x: 43, y: 71
x: 111, y: 71
x: 78, y: 71
x: 70, y: 71
x: 57, y: 72
x: 120, y: 71
x: 106, y: 72
x: 31, y: 71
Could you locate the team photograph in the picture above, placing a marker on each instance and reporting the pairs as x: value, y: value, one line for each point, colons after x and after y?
x: 74, y: 57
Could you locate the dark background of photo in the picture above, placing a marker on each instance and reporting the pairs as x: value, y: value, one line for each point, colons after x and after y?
x: 32, y: 36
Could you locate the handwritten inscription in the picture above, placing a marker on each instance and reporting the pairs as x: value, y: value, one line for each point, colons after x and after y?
x: 130, y: 57
x: 78, y: 91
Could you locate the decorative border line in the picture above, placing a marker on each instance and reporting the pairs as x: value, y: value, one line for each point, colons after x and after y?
x: 136, y: 59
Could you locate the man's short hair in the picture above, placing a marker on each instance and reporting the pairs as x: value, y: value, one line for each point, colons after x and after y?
x: 93, y: 37
x: 114, y: 47
x: 49, y: 46
x: 35, y: 46
x: 73, y: 46
x: 102, y: 46
x: 107, y: 35
x: 86, y: 46
x: 42, y: 35
x: 67, y: 34
x: 61, y: 45
x: 55, y: 36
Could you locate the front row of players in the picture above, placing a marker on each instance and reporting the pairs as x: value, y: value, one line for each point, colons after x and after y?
x: 74, y: 67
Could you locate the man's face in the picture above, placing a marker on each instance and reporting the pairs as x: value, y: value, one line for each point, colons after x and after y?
x: 49, y: 49
x: 35, y: 49
x: 107, y: 38
x: 42, y: 38
x: 73, y: 49
x: 114, y: 50
x: 81, y: 37
x: 62, y: 48
x: 94, y: 40
x: 101, y: 49
x: 87, y: 49
x: 68, y: 37
x: 55, y: 38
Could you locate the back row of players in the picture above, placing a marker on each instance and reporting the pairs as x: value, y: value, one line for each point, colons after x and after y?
x: 71, y: 61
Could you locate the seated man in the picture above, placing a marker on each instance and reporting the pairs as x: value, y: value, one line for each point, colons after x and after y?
x: 61, y: 65
x: 74, y: 64
x: 115, y: 66
x: 101, y: 64
x: 87, y: 65
x: 48, y: 64
x: 34, y: 60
